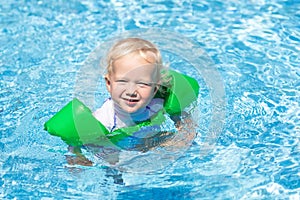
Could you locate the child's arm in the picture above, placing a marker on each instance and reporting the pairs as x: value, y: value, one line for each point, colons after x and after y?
x: 183, y: 138
x: 79, y: 158
x: 109, y: 154
x: 186, y: 132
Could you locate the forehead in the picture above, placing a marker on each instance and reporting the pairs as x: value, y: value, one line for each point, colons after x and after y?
x: 133, y: 63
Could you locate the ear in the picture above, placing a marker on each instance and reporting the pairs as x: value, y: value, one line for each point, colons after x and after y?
x: 108, y: 83
x: 155, y: 89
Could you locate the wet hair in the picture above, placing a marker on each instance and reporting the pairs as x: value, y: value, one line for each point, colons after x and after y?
x: 123, y: 47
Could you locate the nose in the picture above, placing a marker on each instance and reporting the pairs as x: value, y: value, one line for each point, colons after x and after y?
x: 134, y: 94
x: 131, y: 90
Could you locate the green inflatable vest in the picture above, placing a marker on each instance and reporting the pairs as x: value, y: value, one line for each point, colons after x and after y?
x: 76, y: 125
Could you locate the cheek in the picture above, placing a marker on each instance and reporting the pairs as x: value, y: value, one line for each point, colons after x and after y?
x: 147, y: 93
x: 116, y: 91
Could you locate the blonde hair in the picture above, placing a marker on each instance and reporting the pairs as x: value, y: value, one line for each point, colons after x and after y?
x: 123, y: 47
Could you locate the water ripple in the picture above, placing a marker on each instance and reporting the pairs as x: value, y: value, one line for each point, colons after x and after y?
x: 255, y: 45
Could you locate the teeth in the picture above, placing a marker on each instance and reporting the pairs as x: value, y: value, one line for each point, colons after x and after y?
x: 131, y: 100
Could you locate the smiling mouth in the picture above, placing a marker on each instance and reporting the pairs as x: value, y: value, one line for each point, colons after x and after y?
x: 131, y: 100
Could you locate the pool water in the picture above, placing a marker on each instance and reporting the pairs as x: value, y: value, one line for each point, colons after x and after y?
x: 250, y: 71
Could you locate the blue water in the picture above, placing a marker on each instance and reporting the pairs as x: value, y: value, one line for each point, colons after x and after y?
x: 254, y: 47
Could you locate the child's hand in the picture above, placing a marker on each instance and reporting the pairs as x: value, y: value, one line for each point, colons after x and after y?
x: 78, y: 160
x: 185, y: 136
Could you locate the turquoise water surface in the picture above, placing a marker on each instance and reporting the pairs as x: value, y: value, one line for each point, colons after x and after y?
x: 245, y: 55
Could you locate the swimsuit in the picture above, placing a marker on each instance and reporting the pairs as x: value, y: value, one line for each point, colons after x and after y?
x: 112, y: 117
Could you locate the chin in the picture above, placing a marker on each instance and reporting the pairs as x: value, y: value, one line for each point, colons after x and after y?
x: 130, y: 111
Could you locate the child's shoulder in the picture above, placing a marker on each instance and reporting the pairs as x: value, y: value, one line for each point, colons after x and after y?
x: 106, y: 108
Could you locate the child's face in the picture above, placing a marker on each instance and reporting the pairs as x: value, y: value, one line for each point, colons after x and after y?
x: 132, y: 84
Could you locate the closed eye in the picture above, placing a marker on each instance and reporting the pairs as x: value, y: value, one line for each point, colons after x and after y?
x: 144, y: 84
x: 121, y: 81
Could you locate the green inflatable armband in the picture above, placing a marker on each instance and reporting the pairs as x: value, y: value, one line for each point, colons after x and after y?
x: 76, y: 125
x: 183, y: 92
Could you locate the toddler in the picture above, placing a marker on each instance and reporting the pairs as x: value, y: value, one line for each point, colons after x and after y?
x: 133, y: 78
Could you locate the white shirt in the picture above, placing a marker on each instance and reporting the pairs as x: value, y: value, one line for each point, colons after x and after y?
x: 112, y: 117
